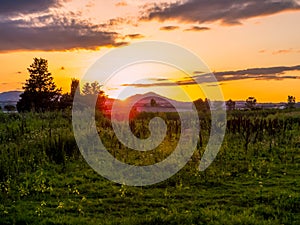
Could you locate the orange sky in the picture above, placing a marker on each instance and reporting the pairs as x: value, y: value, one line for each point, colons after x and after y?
x: 86, y: 30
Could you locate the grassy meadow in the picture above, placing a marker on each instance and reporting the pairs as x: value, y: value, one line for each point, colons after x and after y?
x: 254, y: 179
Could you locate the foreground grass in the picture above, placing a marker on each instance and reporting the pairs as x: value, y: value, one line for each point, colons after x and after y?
x: 75, y: 194
x: 44, y: 180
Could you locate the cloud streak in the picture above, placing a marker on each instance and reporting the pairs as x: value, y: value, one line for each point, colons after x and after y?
x: 285, y: 51
x: 229, y: 12
x: 270, y: 73
x: 169, y: 28
x: 197, y: 29
x: 134, y: 36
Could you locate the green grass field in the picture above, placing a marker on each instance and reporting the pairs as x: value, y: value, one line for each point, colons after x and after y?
x: 253, y: 180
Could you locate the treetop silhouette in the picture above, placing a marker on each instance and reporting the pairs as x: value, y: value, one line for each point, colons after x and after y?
x: 40, y: 91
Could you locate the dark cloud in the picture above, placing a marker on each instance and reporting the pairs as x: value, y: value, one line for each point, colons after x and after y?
x: 134, y: 36
x: 55, y: 34
x: 120, y: 21
x: 215, y: 85
x: 227, y: 11
x: 197, y: 28
x: 270, y: 73
x: 260, y: 71
x: 160, y: 82
x: 169, y: 28
x: 13, y: 7
x: 159, y: 79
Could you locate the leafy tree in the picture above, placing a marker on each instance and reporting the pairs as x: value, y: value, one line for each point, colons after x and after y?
x: 96, y: 88
x: 251, y: 103
x: 291, y: 101
x: 87, y: 89
x: 90, y: 90
x: 230, y: 105
x: 40, y: 91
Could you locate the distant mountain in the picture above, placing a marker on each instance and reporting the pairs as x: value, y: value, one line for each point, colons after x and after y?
x: 10, y: 96
x: 146, y: 98
x: 148, y: 95
x: 142, y: 102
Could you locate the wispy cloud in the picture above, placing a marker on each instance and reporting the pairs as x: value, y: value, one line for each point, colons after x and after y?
x: 121, y: 4
x: 134, y: 36
x: 285, y: 51
x: 169, y: 28
x: 262, y: 51
x: 11, y: 83
x: 197, y: 28
x: 227, y: 11
x: 280, y: 51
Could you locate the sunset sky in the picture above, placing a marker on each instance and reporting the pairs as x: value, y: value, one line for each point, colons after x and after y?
x: 253, y: 47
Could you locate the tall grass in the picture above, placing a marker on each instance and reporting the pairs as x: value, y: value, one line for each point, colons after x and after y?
x: 253, y: 180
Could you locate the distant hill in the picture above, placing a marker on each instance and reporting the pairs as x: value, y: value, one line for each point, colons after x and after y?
x: 144, y: 99
x: 10, y: 96
x: 142, y: 103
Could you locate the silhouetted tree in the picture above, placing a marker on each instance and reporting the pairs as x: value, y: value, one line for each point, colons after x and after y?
x: 251, y: 103
x: 87, y: 89
x: 74, y: 86
x: 66, y: 100
x: 202, y: 105
x: 95, y: 88
x: 40, y: 92
x: 90, y: 90
x: 291, y: 101
x: 230, y: 105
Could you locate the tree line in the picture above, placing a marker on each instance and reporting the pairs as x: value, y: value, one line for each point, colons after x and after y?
x: 41, y: 93
x: 251, y: 103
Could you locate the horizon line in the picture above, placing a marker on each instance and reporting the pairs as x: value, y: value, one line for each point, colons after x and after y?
x: 159, y: 95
